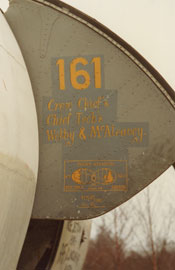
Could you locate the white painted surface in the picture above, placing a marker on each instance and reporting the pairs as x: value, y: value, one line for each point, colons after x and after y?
x: 17, y: 109
x: 73, y: 245
x: 18, y: 148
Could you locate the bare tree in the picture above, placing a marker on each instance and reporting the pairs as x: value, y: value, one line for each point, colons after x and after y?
x: 137, y: 235
x: 155, y: 232
x: 108, y: 249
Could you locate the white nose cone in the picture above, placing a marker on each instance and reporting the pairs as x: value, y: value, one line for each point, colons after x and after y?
x: 18, y: 148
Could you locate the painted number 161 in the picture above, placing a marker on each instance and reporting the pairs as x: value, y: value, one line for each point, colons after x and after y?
x: 76, y: 73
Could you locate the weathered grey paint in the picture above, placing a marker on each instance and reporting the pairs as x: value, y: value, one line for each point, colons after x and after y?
x: 125, y: 140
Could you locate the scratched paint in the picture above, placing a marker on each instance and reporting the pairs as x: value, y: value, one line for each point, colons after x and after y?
x: 73, y: 246
x: 98, y: 102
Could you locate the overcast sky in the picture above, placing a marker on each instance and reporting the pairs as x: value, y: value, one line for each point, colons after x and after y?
x: 147, y: 25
